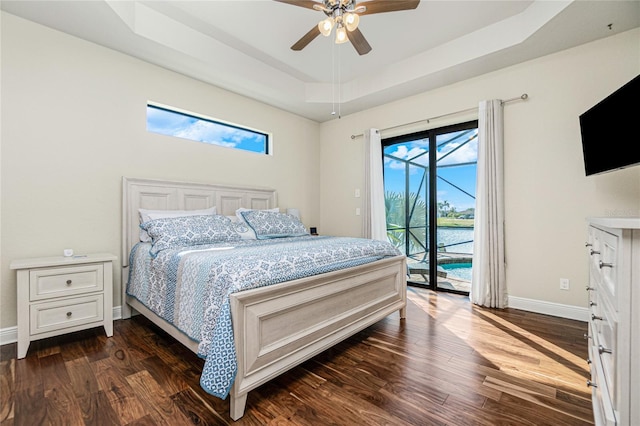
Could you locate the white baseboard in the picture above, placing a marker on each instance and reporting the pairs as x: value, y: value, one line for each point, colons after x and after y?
x: 117, y: 312
x: 549, y: 308
x: 10, y: 334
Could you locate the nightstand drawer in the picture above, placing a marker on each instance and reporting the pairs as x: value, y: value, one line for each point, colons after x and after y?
x: 65, y: 281
x: 61, y: 314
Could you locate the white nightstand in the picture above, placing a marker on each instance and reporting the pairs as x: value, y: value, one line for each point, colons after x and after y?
x: 58, y: 295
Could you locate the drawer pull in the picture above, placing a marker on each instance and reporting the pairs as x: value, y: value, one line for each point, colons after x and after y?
x: 68, y: 282
x: 586, y: 336
x: 593, y: 304
x: 595, y: 317
x: 602, y: 264
x: 69, y: 314
x: 590, y: 288
x: 591, y: 384
x: 589, y: 361
x: 588, y: 244
x: 603, y: 350
x: 594, y: 252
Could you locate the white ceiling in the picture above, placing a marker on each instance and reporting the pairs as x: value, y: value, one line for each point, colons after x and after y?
x: 244, y: 45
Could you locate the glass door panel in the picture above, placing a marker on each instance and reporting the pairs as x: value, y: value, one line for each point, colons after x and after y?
x: 406, y: 183
x: 430, y: 203
x: 457, y: 157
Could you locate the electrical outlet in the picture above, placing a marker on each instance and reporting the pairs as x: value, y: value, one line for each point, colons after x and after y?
x: 564, y: 284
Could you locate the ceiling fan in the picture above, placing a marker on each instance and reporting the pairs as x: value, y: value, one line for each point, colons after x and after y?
x: 345, y: 16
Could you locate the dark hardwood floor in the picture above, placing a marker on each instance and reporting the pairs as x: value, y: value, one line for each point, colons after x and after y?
x: 448, y: 363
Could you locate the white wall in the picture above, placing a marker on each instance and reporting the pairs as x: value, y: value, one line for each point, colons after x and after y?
x: 74, y: 123
x: 548, y: 196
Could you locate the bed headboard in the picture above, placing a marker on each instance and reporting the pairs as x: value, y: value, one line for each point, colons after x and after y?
x: 171, y: 195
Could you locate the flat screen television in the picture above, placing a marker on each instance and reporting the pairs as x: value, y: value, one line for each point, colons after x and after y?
x: 610, y: 131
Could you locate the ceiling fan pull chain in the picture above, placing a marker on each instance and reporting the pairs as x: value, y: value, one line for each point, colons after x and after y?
x: 333, y: 79
x: 339, y: 84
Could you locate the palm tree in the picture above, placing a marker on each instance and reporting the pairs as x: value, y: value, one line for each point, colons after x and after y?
x: 413, y: 237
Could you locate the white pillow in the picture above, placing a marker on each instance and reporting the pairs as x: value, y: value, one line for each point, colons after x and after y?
x: 147, y: 215
x: 242, y: 227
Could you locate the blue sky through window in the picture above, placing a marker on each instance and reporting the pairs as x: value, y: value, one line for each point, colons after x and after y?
x: 182, y: 125
x: 462, y: 148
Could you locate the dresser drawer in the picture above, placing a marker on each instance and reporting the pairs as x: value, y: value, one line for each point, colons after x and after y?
x: 608, y: 268
x: 65, y: 313
x: 605, y: 343
x: 602, y: 264
x: 65, y: 281
x: 603, y: 411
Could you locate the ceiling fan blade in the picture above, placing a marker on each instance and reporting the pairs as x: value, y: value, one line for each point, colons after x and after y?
x: 306, y: 39
x: 359, y: 42
x: 381, y: 6
x: 309, y: 4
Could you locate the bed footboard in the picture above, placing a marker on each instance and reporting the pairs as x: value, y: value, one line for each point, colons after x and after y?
x: 277, y: 327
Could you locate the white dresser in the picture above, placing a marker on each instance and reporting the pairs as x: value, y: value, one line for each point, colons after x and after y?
x: 58, y: 295
x: 614, y: 327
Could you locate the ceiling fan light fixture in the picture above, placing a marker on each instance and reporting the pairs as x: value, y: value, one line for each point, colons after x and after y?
x: 344, y: 15
x: 351, y: 20
x: 341, y: 35
x: 325, y: 26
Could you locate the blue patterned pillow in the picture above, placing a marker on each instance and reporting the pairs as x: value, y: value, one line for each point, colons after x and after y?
x: 268, y: 224
x: 188, y: 231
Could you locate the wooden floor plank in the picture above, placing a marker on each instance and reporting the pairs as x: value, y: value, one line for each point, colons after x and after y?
x: 448, y: 363
x: 7, y: 390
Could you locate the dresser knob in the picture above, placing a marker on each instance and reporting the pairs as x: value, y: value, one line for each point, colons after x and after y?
x: 589, y: 288
x: 595, y: 317
x: 586, y: 336
x: 589, y: 361
x: 603, y: 350
x: 602, y: 264
x: 591, y: 384
x: 69, y: 314
x: 593, y: 304
x: 588, y: 244
x: 594, y: 252
x: 68, y: 282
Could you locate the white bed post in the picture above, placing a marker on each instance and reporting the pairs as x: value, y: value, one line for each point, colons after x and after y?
x: 125, y: 310
x: 238, y: 404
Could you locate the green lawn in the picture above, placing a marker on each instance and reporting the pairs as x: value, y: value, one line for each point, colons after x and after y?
x: 455, y: 223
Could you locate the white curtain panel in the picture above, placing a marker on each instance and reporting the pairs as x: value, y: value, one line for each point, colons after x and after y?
x: 375, y: 216
x: 488, y: 283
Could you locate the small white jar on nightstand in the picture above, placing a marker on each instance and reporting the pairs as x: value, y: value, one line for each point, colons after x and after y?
x: 59, y: 295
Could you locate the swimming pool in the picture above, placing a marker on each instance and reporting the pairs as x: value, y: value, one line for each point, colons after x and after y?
x: 458, y: 270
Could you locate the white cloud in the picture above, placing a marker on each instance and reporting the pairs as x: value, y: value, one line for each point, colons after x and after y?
x: 468, y: 153
x: 205, y: 131
x: 405, y: 153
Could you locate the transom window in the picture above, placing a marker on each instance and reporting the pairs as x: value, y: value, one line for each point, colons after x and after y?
x: 187, y: 125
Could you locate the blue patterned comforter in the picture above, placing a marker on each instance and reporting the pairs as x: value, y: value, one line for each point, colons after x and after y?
x: 190, y: 286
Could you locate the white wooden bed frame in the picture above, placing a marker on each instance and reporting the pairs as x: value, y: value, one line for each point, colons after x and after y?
x: 279, y: 326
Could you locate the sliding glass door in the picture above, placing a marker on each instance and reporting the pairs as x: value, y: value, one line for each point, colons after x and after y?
x: 429, y: 180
